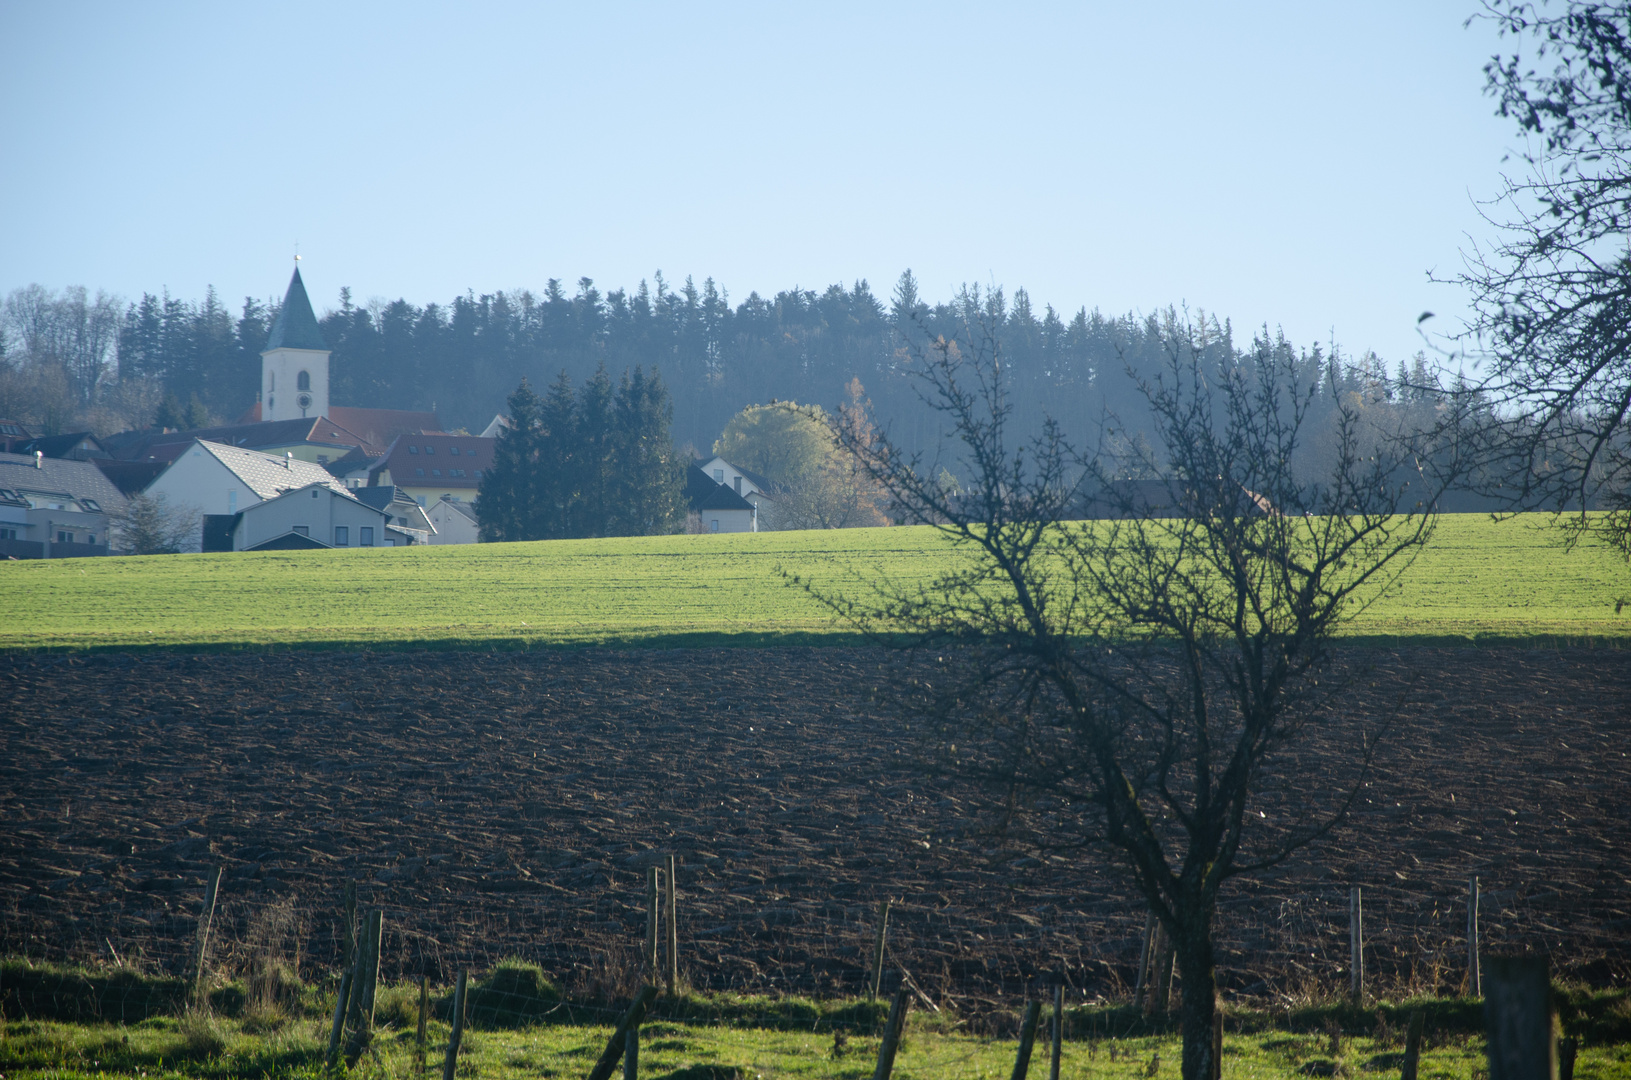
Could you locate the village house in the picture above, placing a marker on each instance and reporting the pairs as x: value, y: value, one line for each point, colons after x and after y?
x: 52, y: 508
x: 319, y: 515
x: 217, y: 480
x: 432, y: 468
x: 715, y: 507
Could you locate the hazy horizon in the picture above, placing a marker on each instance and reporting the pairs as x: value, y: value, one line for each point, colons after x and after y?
x: 1281, y: 165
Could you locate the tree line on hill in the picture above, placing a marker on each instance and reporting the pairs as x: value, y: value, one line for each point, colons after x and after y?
x: 68, y: 359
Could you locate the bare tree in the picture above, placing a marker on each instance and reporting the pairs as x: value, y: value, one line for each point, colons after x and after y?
x: 152, y: 525
x: 1148, y: 674
x: 1551, y: 326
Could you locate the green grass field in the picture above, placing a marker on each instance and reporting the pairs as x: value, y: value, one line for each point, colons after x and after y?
x: 1478, y: 581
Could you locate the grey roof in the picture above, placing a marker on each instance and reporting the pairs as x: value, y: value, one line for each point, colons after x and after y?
x: 268, y: 476
x: 80, y: 479
x: 296, y: 325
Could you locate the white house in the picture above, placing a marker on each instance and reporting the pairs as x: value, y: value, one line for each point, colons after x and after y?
x: 216, y: 479
x: 715, y: 507
x: 316, y: 516
x: 455, y: 522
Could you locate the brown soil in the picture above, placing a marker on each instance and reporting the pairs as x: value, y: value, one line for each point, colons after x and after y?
x: 500, y: 804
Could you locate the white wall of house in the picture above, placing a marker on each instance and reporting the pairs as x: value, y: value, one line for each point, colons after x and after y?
x: 326, y: 515
x: 725, y: 521
x: 199, y: 480
x: 452, y: 526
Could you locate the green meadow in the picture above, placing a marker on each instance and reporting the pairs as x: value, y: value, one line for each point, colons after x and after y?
x: 1479, y: 581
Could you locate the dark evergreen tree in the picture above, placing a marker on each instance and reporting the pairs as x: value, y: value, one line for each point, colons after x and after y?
x: 506, y: 502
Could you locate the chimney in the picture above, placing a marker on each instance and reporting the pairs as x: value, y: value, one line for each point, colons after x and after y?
x: 39, y: 459
x: 288, y: 460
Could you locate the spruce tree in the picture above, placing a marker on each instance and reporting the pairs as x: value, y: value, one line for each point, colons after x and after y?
x: 507, y: 505
x: 649, y: 477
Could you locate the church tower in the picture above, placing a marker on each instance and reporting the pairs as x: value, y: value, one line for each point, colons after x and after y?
x: 294, y: 364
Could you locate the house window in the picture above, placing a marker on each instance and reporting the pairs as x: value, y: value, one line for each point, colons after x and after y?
x: 322, y: 459
x: 65, y: 537
x: 454, y: 450
x: 436, y: 472
x: 91, y: 539
x: 342, y: 536
x: 455, y: 472
x: 478, y: 474
x: 419, y: 472
x: 390, y: 541
x: 413, y: 449
x: 8, y: 534
x: 713, y: 526
x: 739, y: 485
x: 430, y: 449
x: 365, y: 536
x: 303, y: 381
x: 303, y: 530
x: 719, y: 476
x: 271, y: 381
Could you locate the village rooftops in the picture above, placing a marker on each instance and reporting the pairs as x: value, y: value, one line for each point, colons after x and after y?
x: 445, y: 462
x: 267, y: 476
x: 319, y: 431
x: 59, y: 483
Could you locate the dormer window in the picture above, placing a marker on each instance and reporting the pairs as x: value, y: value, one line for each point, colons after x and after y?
x: 454, y: 450
x: 303, y: 381
x: 413, y: 449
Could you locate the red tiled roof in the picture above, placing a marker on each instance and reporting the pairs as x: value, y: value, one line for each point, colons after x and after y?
x: 430, y: 460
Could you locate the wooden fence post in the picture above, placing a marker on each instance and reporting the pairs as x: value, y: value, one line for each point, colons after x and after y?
x: 1356, y: 944
x: 338, y: 1025
x: 452, y: 1061
x: 1566, y: 1051
x: 424, y: 1015
x: 1146, y: 960
x: 1475, y: 984
x: 1412, y: 1045
x: 202, y: 945
x: 348, y: 929
x: 631, y: 1053
x: 891, y: 1034
x: 1058, y: 1029
x: 673, y: 935
x: 365, y: 973
x: 1217, y: 1040
x: 364, y: 986
x: 877, y: 951
x: 1160, y: 984
x: 652, y: 923
x: 1027, y: 1040
x: 618, y: 1044
x: 1518, y: 1019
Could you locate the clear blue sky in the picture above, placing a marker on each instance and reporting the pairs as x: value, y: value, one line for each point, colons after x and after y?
x: 1302, y: 164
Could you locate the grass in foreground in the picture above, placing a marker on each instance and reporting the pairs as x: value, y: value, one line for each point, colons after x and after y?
x: 199, y: 1048
x: 714, y: 1036
x: 1478, y: 580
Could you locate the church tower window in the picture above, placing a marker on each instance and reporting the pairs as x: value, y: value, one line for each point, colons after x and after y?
x: 303, y: 381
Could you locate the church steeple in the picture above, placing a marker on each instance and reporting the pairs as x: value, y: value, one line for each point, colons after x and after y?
x: 296, y: 325
x: 294, y: 364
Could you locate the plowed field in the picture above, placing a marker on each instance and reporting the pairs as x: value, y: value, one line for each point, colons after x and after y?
x: 508, y: 803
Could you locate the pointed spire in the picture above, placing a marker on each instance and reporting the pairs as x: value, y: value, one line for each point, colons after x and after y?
x: 296, y: 326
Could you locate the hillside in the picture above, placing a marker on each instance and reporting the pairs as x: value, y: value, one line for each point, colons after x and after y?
x: 1479, y: 580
